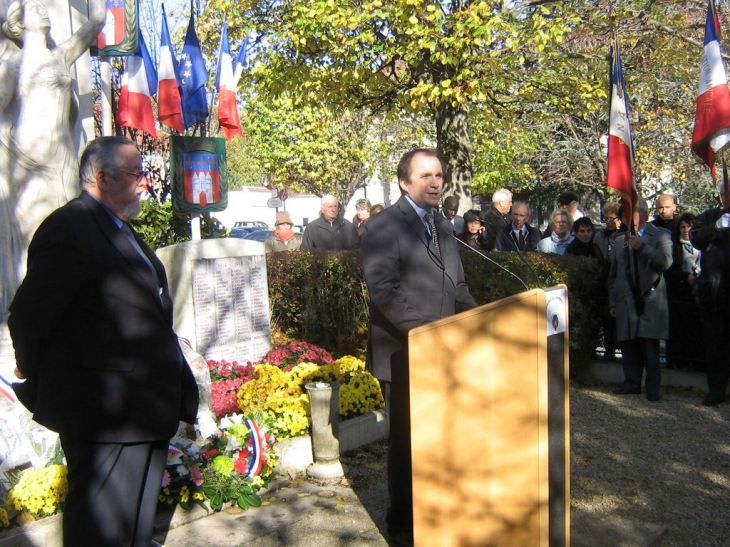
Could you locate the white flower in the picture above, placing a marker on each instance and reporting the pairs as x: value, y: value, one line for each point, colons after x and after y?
x: 237, y: 418
x: 174, y: 456
x: 233, y: 444
x: 182, y: 470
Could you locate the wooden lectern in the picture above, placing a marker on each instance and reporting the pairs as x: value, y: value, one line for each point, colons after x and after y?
x: 489, y: 425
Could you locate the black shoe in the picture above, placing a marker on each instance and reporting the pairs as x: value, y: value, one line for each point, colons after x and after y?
x: 652, y: 398
x: 623, y: 391
x: 713, y: 400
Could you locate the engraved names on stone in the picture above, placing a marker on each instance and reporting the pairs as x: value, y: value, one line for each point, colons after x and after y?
x: 231, y: 304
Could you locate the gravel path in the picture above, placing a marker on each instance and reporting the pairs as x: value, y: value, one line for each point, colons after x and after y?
x: 665, y: 463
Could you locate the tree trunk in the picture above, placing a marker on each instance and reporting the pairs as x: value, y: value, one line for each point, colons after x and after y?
x: 454, y: 146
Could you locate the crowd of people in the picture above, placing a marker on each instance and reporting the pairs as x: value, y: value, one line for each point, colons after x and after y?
x: 650, y: 279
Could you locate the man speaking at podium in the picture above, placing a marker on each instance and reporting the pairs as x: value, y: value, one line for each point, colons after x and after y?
x: 414, y: 275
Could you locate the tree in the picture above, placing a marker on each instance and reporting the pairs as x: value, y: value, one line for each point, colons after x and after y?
x: 435, y: 58
x: 313, y: 149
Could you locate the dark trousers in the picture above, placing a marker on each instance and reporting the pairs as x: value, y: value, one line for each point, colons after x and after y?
x: 717, y: 348
x: 638, y: 354
x: 112, y: 492
x: 400, y: 481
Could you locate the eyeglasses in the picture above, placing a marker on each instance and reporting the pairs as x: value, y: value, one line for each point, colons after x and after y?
x: 138, y: 175
x: 612, y: 219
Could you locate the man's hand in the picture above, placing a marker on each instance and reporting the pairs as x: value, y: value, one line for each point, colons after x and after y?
x: 634, y: 242
x: 723, y: 222
x: 19, y: 375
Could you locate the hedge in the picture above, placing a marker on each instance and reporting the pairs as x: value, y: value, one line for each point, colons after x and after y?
x: 321, y: 297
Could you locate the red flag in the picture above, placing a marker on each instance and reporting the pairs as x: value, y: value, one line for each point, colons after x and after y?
x: 139, y: 83
x: 620, y: 169
x: 712, y: 118
x: 228, y: 117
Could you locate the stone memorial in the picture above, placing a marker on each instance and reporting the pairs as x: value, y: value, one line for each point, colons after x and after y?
x: 46, y: 104
x: 221, y: 297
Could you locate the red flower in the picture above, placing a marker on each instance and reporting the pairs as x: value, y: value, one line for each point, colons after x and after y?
x: 240, y: 467
x: 210, y: 453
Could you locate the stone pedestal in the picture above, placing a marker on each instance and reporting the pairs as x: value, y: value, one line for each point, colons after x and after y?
x: 324, y: 400
x: 221, y: 297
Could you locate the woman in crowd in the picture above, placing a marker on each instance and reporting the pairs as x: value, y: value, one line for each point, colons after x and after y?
x: 362, y: 206
x: 583, y: 244
x: 560, y: 238
x: 685, y: 325
x: 472, y: 229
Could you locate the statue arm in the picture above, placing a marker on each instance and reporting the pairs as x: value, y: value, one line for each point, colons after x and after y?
x: 82, y: 39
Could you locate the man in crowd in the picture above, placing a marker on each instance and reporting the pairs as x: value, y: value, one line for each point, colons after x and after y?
x: 330, y: 231
x: 606, y: 241
x: 283, y: 238
x: 519, y: 235
x: 711, y: 235
x: 496, y: 218
x: 414, y: 276
x: 569, y: 201
x: 638, y: 300
x: 92, y: 330
x: 451, y: 206
x: 666, y: 209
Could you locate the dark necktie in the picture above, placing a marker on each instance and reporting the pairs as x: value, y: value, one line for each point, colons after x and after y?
x: 434, y: 235
x: 522, y: 240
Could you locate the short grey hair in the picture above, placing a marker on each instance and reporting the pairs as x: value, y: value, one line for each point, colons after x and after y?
x: 642, y: 206
x: 501, y: 195
x: 523, y: 204
x: 329, y: 198
x: 99, y: 155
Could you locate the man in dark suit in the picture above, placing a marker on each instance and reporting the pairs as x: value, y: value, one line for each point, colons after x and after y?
x: 519, y: 235
x: 449, y: 210
x: 496, y: 217
x: 637, y: 297
x: 413, y: 278
x: 92, y: 330
x: 711, y: 235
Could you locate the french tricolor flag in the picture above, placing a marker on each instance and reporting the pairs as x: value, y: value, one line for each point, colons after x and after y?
x: 228, y: 117
x: 620, y: 165
x: 712, y: 118
x: 240, y: 63
x: 169, y: 101
x: 139, y: 83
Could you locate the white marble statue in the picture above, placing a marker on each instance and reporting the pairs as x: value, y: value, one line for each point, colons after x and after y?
x: 38, y: 158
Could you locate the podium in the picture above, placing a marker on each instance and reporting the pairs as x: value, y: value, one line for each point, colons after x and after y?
x: 490, y: 425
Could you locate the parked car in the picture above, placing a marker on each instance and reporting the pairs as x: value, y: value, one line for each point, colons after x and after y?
x: 259, y: 235
x: 260, y: 224
x: 242, y: 231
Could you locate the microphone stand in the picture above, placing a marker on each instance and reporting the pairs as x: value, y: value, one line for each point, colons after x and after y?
x: 492, y: 261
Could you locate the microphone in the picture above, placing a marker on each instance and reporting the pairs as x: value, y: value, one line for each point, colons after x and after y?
x: 492, y: 261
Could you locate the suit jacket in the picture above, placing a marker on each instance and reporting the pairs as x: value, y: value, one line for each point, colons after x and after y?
x: 494, y: 223
x: 93, y: 333
x: 457, y: 225
x: 320, y: 235
x: 409, y: 284
x: 653, y: 258
x: 507, y: 241
x: 713, y: 285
